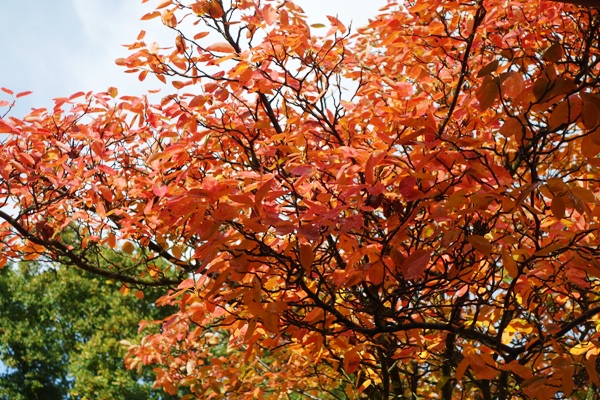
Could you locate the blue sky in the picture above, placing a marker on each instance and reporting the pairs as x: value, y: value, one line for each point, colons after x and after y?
x: 56, y: 48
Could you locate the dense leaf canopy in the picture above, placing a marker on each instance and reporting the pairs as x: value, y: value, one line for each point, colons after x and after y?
x: 410, y: 211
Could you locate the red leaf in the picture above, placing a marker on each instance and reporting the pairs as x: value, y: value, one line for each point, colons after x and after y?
x: 415, y: 264
x: 4, y: 127
x: 351, y: 361
x: 23, y: 94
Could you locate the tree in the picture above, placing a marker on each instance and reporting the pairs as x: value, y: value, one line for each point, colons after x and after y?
x: 61, y: 331
x: 406, y: 212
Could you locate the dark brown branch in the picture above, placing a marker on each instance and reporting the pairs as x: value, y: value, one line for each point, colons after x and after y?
x: 60, y: 249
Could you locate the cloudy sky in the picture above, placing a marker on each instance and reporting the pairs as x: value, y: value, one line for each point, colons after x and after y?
x: 56, y: 48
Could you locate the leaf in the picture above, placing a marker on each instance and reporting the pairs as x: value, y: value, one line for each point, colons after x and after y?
x: 376, y: 273
x: 488, y: 69
x: 509, y: 264
x: 415, y: 264
x: 512, y: 127
x: 554, y: 53
x: 337, y: 24
x: 558, y: 207
x: 160, y: 190
x: 513, y: 85
x: 581, y: 348
x: 128, y: 247
x: 541, y: 87
x: 351, y: 361
x: 221, y: 47
x: 372, y: 162
x: 462, y: 368
x: 562, y: 114
x: 150, y: 15
x: 113, y: 92
x: 549, y: 249
x: 488, y: 94
x: 22, y: 94
x: 589, y: 115
x: 306, y: 257
x: 584, y: 194
x: 214, y: 9
x: 269, y: 14
x: 481, y: 244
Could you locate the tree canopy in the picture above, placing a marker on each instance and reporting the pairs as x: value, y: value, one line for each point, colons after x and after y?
x: 408, y: 211
x: 63, y: 335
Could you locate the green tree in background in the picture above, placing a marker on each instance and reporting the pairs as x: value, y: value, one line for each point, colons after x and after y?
x: 60, y: 333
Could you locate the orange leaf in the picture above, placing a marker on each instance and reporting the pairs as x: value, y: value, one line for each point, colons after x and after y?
x: 480, y: 244
x: 23, y: 94
x: 558, y: 207
x: 488, y: 69
x: 462, y: 368
x: 351, y: 361
x: 560, y: 115
x: 512, y: 127
x: 510, y: 265
x: 150, y: 15
x: 487, y: 94
x: 5, y: 128
x: 583, y: 194
x: 306, y: 257
x: 221, y: 47
x: 214, y: 9
x: 269, y: 14
x: 113, y: 92
x: 554, y: 53
x: 128, y: 247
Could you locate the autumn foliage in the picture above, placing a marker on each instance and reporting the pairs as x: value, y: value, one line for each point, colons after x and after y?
x: 408, y: 211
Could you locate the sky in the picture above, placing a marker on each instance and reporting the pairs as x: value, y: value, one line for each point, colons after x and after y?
x: 56, y: 48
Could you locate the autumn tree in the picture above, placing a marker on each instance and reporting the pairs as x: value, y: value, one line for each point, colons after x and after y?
x: 409, y: 211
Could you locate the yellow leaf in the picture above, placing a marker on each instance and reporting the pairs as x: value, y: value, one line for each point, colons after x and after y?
x: 581, y: 348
